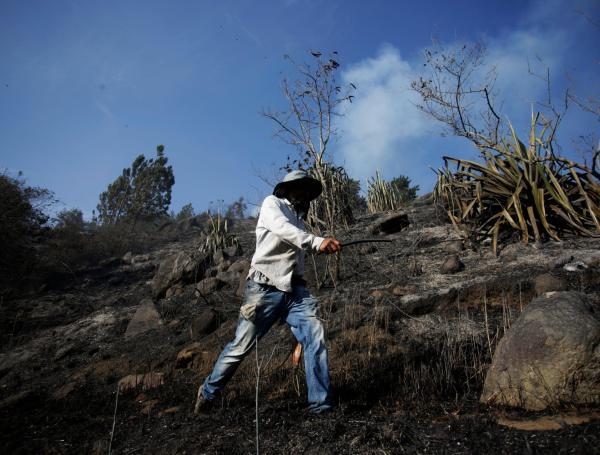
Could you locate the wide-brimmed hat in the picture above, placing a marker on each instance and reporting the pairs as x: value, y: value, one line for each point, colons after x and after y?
x: 299, y: 178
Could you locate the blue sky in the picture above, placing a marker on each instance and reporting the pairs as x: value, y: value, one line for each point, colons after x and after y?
x: 86, y: 86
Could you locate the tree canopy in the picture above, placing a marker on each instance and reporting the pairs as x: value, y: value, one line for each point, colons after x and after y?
x: 141, y: 191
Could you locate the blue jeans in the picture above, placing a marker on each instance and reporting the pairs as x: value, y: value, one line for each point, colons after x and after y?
x: 267, y: 304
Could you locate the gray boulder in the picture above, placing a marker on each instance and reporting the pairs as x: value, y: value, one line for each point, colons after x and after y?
x: 145, y: 318
x: 181, y: 268
x: 550, y: 355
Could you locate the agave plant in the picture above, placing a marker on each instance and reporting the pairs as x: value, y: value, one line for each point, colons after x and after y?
x: 382, y: 195
x: 218, y: 236
x: 520, y: 188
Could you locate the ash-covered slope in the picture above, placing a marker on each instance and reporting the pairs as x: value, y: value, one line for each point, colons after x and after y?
x: 410, y: 328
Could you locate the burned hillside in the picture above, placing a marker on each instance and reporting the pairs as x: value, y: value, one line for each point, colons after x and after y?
x: 111, y: 356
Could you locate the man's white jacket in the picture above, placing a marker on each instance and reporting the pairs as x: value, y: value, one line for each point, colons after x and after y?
x: 280, y: 244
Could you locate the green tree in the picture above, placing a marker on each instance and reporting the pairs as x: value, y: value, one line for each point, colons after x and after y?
x: 236, y: 209
x: 142, y: 191
x: 70, y: 219
x: 402, y: 184
x: 355, y: 200
x: 187, y: 211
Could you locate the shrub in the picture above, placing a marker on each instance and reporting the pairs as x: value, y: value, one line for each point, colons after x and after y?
x: 187, y: 211
x: 22, y: 220
x: 383, y: 195
x: 218, y: 236
x: 520, y: 188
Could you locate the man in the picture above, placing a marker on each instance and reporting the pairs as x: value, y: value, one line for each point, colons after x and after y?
x: 276, y: 289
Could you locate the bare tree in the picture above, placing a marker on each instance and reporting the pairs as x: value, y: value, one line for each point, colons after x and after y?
x: 457, y: 89
x: 308, y: 124
x: 591, y: 105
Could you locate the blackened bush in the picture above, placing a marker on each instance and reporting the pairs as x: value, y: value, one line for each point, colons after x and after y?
x: 22, y: 224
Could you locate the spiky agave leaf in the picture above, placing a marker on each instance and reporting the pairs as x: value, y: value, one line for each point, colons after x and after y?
x: 520, y: 188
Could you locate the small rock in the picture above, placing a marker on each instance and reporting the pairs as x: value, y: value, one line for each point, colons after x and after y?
x: 452, y: 265
x: 547, y: 282
x: 390, y: 224
x: 209, y: 285
x: 174, y: 291
x: 127, y: 257
x: 454, y: 246
x: 405, y: 289
x: 203, y: 324
x: 145, y: 318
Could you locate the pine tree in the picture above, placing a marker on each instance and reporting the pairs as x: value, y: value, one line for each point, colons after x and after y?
x: 142, y: 191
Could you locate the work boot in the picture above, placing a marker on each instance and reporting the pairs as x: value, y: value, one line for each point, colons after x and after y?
x: 203, y: 404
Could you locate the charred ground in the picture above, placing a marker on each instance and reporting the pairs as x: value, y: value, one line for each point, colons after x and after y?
x: 409, y: 348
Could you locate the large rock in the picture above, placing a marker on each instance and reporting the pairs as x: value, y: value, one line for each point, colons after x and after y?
x: 209, y: 285
x: 179, y: 268
x: 203, y: 324
x: 550, y: 355
x: 145, y: 318
x: 390, y: 224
